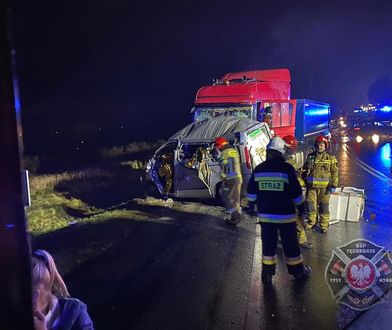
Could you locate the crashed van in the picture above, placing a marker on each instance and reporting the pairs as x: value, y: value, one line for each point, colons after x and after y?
x: 187, y: 166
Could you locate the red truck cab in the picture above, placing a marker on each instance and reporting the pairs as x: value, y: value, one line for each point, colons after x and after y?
x: 249, y: 93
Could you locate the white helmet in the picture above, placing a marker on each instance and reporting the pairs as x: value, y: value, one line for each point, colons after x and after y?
x: 278, y: 144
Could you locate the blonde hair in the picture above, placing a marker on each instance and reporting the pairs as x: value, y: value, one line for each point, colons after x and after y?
x: 44, y: 271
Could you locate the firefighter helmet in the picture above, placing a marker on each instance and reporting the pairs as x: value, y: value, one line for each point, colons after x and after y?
x: 278, y: 144
x: 220, y: 142
x: 321, y: 139
x: 268, y: 109
x: 291, y: 141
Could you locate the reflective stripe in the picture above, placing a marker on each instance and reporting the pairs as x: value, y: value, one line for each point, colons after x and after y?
x: 299, y: 200
x: 277, y: 174
x: 294, y: 261
x: 251, y: 197
x: 311, y: 179
x: 326, y: 161
x: 271, y: 176
x: 233, y: 153
x: 318, y: 182
x: 276, y: 218
x: 232, y: 175
x: 267, y: 260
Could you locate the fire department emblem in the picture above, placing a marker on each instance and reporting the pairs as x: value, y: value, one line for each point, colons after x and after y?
x: 359, y: 274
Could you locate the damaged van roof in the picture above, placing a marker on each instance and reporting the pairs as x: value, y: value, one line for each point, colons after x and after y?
x: 208, y: 130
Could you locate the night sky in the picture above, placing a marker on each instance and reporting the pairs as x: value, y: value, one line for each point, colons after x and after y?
x: 90, y: 64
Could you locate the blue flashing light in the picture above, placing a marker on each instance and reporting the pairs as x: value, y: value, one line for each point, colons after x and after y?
x: 386, y: 108
x: 317, y: 112
x: 386, y: 154
x: 16, y: 96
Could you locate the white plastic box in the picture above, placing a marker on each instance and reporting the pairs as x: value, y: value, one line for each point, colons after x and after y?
x: 347, y: 204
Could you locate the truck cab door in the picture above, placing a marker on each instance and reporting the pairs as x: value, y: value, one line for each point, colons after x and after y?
x: 283, y: 116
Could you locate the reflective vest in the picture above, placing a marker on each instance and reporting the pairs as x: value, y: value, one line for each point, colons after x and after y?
x: 230, y: 164
x: 321, y: 170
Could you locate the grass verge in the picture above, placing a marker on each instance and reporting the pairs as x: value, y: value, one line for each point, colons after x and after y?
x: 70, y: 198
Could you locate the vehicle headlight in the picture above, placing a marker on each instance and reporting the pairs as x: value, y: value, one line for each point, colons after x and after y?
x: 375, y: 138
x: 359, y: 139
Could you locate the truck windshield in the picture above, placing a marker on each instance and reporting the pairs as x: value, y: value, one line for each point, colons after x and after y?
x: 207, y: 112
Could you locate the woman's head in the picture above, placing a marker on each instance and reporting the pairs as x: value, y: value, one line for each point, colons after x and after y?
x: 45, y: 276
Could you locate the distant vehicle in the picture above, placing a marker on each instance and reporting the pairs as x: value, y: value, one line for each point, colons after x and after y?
x: 370, y: 131
x: 195, y: 167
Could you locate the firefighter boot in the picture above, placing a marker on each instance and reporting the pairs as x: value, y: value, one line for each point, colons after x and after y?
x: 304, y: 274
x: 234, y: 219
x: 266, y: 278
x: 301, y: 235
x: 306, y: 245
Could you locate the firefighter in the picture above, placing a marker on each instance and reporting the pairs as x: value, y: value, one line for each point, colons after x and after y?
x: 277, y: 193
x: 290, y: 158
x: 320, y: 172
x: 166, y: 171
x: 229, y: 161
x: 267, y: 116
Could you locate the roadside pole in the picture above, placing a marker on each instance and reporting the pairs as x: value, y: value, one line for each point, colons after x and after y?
x: 15, y: 278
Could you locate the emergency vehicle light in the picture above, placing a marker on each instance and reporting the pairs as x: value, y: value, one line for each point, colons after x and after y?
x: 318, y: 112
x: 386, y: 108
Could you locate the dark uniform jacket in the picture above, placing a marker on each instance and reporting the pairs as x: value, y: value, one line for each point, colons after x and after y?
x: 276, y: 190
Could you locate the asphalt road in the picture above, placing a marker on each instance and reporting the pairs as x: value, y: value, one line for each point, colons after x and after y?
x: 185, y: 269
x: 310, y: 305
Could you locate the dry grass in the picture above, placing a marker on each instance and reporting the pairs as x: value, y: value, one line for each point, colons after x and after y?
x: 92, y: 194
x: 64, y: 199
x: 49, y: 181
x: 129, y: 149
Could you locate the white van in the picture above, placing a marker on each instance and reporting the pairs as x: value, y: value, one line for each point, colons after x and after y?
x: 195, y: 171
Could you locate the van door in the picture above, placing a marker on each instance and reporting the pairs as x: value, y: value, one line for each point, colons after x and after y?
x: 153, y: 172
x: 257, y: 141
x: 162, y: 155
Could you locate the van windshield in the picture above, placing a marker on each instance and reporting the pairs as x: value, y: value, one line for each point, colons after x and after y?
x: 208, y: 111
